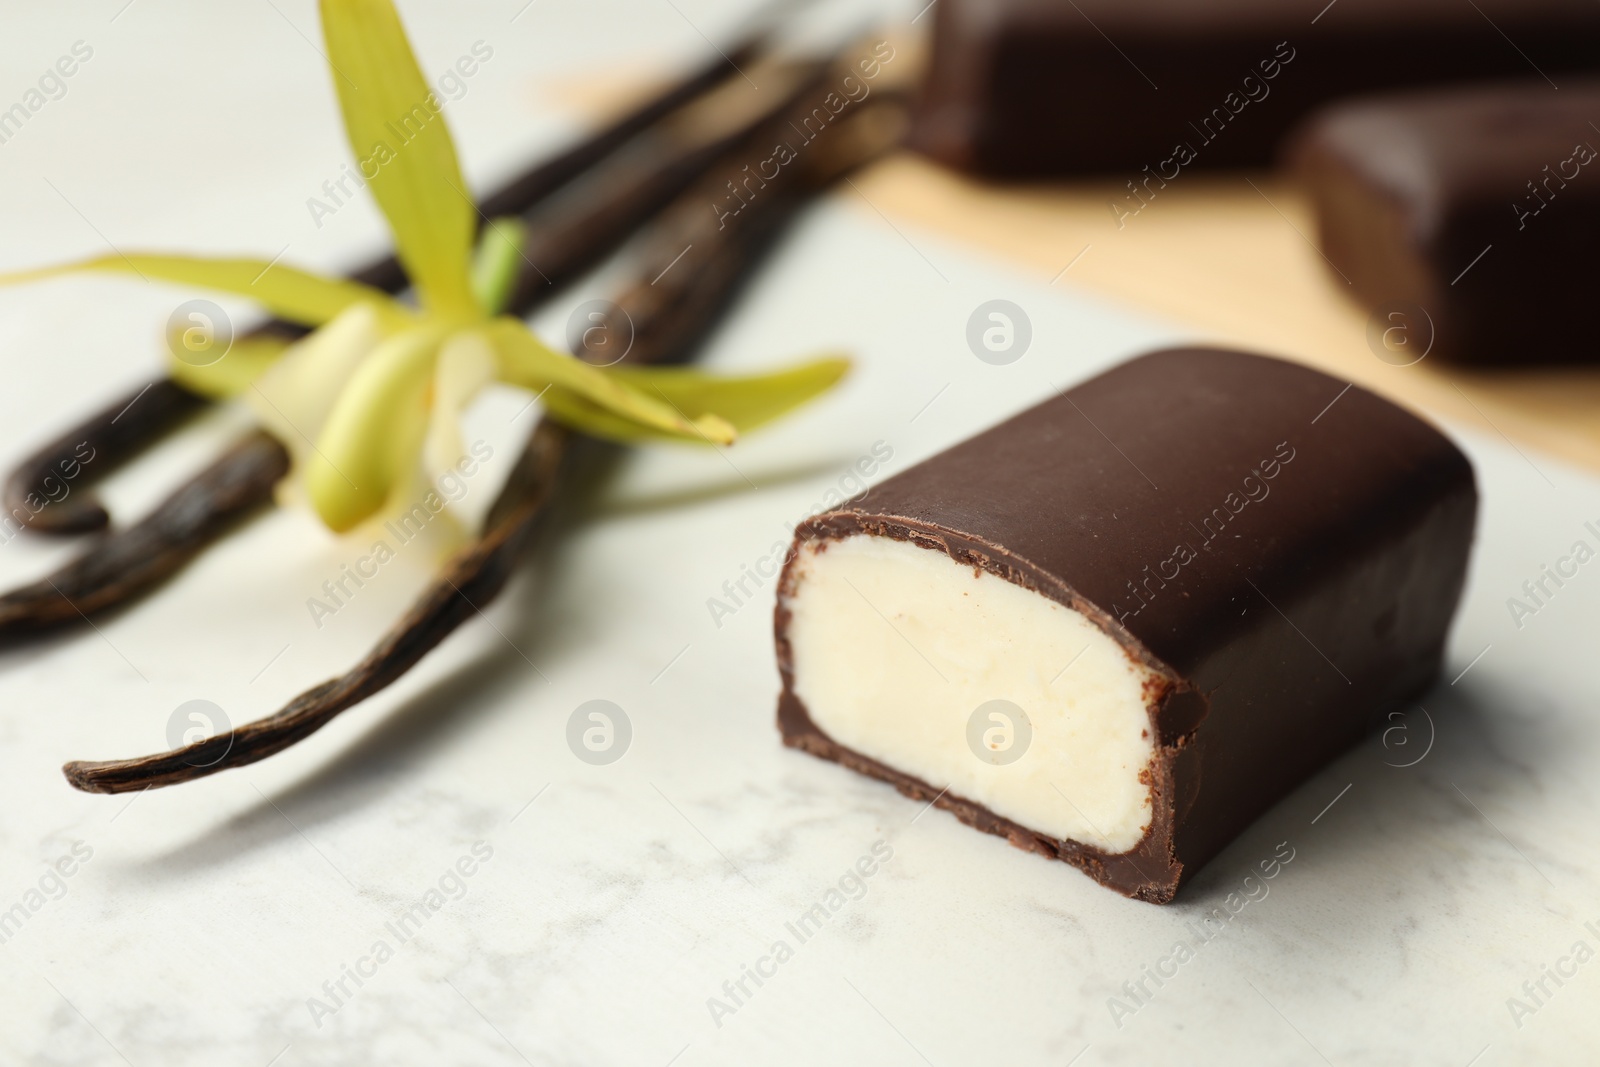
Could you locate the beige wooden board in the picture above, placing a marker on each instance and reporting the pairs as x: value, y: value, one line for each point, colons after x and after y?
x: 1233, y: 257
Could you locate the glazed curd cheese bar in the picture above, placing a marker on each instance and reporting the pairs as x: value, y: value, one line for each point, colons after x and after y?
x: 1118, y: 627
x: 1464, y: 218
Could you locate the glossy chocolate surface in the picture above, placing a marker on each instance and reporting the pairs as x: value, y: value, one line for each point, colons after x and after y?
x: 1289, y: 567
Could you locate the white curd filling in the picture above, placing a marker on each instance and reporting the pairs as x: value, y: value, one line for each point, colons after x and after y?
x: 904, y: 655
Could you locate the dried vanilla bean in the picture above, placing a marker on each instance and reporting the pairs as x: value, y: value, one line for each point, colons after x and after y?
x: 88, y: 452
x: 574, y: 230
x: 471, y: 578
x: 670, y: 319
x: 128, y: 561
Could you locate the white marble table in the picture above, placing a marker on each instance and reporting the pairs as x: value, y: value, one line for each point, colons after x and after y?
x: 437, y: 879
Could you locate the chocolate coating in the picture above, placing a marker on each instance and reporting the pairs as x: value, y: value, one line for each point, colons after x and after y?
x: 1480, y: 205
x: 1327, y: 556
x: 1035, y: 88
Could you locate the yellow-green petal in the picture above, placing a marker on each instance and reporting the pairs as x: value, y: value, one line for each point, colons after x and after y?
x: 748, y: 400
x: 745, y: 401
x: 296, y: 394
x: 374, y: 434
x: 403, y: 148
x: 247, y: 360
x: 465, y: 365
x: 529, y: 362
x: 289, y: 293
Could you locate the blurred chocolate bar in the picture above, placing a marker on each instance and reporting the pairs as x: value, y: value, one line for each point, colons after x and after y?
x: 1466, y: 218
x: 1035, y: 88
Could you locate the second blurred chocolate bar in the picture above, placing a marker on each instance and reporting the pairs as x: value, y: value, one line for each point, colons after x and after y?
x: 1466, y: 219
x: 1030, y: 88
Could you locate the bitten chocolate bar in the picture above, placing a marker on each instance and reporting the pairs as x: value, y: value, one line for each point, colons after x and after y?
x: 1118, y: 627
x: 1480, y: 207
x: 1149, y: 89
